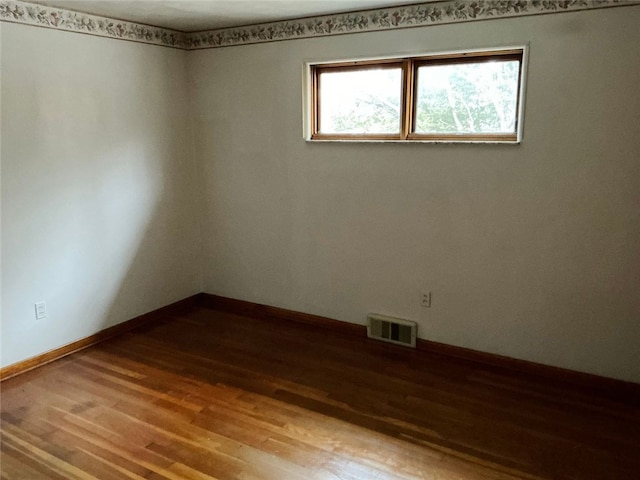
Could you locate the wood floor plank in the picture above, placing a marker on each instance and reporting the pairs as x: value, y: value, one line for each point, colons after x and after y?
x: 14, y: 464
x: 205, y: 394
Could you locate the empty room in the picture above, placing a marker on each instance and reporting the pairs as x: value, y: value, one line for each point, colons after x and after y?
x: 293, y: 239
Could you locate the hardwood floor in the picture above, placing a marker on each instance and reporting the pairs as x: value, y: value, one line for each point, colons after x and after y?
x: 208, y: 394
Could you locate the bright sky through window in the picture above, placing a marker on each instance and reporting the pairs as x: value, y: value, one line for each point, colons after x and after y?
x: 361, y: 101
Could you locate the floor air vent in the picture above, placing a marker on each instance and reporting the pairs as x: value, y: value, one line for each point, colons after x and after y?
x: 394, y: 330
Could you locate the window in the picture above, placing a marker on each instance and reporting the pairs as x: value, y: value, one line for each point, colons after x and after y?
x: 462, y: 97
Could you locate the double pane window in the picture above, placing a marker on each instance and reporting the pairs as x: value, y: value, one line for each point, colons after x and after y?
x: 462, y: 97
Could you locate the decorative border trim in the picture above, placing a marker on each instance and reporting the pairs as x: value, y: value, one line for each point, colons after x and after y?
x: 15, y: 11
x: 392, y: 18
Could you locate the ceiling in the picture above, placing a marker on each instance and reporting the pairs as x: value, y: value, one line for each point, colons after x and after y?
x: 196, y: 15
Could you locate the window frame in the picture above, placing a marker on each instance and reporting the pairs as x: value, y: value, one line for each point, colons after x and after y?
x: 316, y: 70
x: 409, y: 78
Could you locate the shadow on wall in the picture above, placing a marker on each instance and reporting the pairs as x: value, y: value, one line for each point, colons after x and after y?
x: 97, y: 189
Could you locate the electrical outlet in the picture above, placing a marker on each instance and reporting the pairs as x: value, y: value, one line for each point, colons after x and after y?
x: 41, y: 310
x: 425, y: 299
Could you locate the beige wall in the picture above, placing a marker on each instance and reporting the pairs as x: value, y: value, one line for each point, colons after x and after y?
x: 531, y: 251
x: 97, y: 185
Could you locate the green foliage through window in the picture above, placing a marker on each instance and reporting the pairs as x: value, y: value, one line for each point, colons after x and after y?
x: 467, y: 97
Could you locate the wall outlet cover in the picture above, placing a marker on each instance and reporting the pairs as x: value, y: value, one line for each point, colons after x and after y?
x: 41, y: 310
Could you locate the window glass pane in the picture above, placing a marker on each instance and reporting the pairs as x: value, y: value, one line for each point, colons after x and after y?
x: 360, y: 101
x: 467, y: 98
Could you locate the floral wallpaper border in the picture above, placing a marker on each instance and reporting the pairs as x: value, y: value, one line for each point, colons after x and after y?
x: 409, y: 16
x: 41, y: 16
x: 420, y: 15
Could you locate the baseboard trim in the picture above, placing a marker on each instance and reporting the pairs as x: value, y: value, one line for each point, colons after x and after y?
x: 610, y: 388
x: 619, y: 390
x: 257, y: 310
x: 52, y: 355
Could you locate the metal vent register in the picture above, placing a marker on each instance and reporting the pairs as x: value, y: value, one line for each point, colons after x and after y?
x: 393, y: 330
